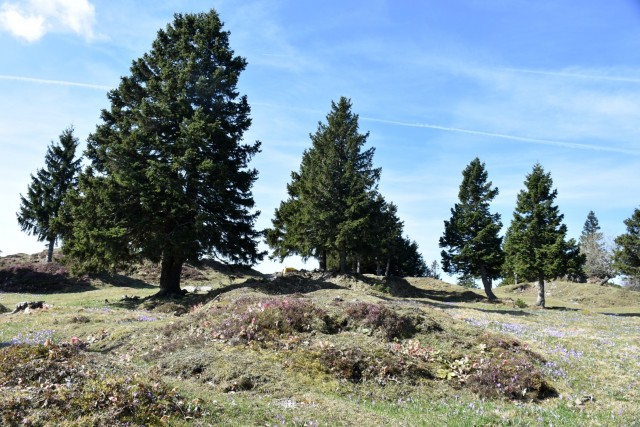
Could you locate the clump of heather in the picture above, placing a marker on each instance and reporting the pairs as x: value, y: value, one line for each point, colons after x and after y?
x: 268, y: 319
x: 357, y: 365
x: 54, y: 384
x: 381, y: 318
x: 512, y: 376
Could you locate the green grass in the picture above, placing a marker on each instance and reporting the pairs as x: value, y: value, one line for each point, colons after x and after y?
x: 325, y: 350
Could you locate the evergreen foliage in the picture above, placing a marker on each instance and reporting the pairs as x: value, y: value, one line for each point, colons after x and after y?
x: 591, y: 225
x: 168, y: 179
x: 473, y: 246
x: 627, y: 253
x: 535, y: 246
x: 333, y: 199
x: 40, y: 209
x: 598, y: 260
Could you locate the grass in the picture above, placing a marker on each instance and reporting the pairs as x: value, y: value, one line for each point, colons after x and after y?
x: 312, y: 349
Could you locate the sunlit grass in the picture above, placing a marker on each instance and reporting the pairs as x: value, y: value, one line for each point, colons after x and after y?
x: 281, y: 373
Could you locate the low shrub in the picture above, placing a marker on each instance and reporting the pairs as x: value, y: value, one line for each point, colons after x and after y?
x: 511, y: 376
x: 267, y: 319
x: 381, y: 318
x: 520, y: 304
x: 357, y: 365
x: 50, y: 384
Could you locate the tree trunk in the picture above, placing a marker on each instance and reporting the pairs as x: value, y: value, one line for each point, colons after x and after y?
x: 605, y: 280
x: 487, y: 283
x: 540, y: 300
x: 170, y: 276
x: 343, y: 259
x: 323, y: 260
x: 50, y: 251
x: 387, y: 270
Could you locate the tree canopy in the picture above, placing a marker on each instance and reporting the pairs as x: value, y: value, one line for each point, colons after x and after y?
x: 598, y: 261
x: 332, y: 197
x: 627, y: 252
x: 168, y: 179
x: 535, y: 246
x: 471, y: 241
x: 591, y: 224
x: 40, y: 209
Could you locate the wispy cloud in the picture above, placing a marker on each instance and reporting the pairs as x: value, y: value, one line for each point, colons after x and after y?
x: 508, y: 137
x: 576, y: 75
x: 55, y: 82
x: 30, y: 20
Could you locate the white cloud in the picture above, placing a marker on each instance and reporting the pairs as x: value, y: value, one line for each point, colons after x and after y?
x: 54, y: 82
x: 506, y: 136
x: 32, y: 19
x: 20, y: 24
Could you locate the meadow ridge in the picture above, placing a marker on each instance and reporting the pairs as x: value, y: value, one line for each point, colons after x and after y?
x: 311, y: 348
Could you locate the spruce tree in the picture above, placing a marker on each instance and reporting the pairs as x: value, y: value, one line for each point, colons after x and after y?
x: 332, y: 197
x: 627, y: 252
x: 473, y: 246
x: 169, y: 178
x: 598, y: 262
x: 591, y: 225
x: 535, y: 247
x: 40, y: 209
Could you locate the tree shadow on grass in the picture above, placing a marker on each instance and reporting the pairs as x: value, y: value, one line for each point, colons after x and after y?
x: 517, y: 313
x: 399, y: 287
x: 559, y: 308
x: 120, y: 280
x: 622, y: 314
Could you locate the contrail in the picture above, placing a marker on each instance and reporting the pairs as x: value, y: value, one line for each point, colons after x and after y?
x: 55, y: 82
x: 509, y: 137
x: 575, y: 75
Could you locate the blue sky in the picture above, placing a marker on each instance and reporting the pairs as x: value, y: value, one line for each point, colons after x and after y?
x: 436, y: 83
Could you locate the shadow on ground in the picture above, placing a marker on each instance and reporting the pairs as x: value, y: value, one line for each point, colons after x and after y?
x: 399, y: 287
x: 120, y: 280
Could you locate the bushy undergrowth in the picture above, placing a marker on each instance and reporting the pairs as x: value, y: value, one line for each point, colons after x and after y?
x: 55, y: 385
x: 379, y: 317
x: 356, y: 365
x: 508, y: 369
x: 511, y: 376
x: 279, y: 322
x: 267, y: 322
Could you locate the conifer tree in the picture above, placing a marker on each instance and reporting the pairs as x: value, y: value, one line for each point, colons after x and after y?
x: 332, y: 197
x: 40, y: 209
x: 591, y: 225
x: 169, y: 178
x: 473, y: 247
x: 535, y: 247
x: 627, y: 252
x: 598, y: 262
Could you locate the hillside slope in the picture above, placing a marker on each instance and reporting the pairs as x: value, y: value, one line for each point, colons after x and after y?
x: 312, y: 349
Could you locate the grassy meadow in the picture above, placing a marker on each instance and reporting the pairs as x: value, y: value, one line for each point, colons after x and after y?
x: 310, y: 349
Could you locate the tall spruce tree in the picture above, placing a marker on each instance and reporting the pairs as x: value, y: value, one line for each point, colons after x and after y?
x: 535, y: 246
x: 591, y: 225
x: 598, y: 262
x: 40, y: 209
x: 473, y: 246
x: 169, y: 178
x: 627, y: 253
x: 332, y: 197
